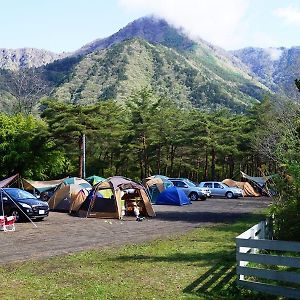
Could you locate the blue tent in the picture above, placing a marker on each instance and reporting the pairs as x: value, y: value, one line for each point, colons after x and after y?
x: 173, y: 196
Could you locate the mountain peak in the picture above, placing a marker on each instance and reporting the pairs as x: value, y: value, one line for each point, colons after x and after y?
x: 151, y: 29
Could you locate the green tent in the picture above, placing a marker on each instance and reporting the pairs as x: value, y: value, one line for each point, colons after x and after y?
x: 94, y: 179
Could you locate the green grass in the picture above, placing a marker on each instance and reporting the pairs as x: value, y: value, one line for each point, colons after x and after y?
x: 197, y: 265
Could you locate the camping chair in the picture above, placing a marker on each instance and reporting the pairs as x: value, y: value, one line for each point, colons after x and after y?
x: 8, y: 224
x: 2, y: 223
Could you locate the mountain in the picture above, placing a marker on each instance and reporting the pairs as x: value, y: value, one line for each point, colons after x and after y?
x: 149, y: 52
x: 151, y: 29
x: 14, y: 59
x: 276, y: 68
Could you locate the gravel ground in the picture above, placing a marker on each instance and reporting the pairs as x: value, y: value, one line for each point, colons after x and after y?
x: 61, y: 233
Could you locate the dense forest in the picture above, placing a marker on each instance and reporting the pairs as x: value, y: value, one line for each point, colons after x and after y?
x: 151, y: 135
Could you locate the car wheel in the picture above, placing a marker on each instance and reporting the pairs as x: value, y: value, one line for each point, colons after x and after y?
x: 16, y: 213
x: 229, y: 195
x: 193, y: 196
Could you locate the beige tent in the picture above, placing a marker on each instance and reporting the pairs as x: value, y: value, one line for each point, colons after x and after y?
x: 68, y: 198
x: 247, y: 188
x: 104, y: 201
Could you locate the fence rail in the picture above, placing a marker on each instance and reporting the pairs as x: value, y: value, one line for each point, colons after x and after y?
x: 253, y: 246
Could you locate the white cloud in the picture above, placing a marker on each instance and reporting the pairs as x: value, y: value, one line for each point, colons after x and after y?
x: 290, y: 14
x: 217, y: 21
x: 274, y: 53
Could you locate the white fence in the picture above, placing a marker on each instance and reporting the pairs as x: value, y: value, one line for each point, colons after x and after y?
x: 252, y: 247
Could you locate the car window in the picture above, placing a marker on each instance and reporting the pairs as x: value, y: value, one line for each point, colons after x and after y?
x: 179, y: 183
x: 208, y: 184
x: 19, y: 194
x: 217, y: 185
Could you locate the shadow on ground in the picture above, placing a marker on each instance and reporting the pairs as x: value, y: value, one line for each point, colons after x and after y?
x: 219, y: 282
x: 198, y: 217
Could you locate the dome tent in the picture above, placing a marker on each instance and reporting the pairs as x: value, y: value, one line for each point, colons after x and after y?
x: 155, y: 185
x: 173, y: 196
x: 104, y: 201
x: 68, y: 198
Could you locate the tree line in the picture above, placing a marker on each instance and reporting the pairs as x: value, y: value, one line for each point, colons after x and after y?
x: 147, y: 135
x: 150, y: 135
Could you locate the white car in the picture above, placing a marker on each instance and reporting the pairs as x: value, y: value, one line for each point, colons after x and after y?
x: 219, y: 189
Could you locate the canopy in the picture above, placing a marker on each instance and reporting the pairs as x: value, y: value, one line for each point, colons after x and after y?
x: 261, y: 181
x: 7, y: 181
x: 41, y: 186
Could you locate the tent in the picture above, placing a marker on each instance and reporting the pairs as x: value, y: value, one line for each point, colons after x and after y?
x: 68, y: 198
x: 105, y: 200
x: 259, y: 182
x: 155, y: 185
x: 41, y: 186
x: 247, y: 188
x: 173, y: 196
x: 94, y: 179
x: 75, y: 180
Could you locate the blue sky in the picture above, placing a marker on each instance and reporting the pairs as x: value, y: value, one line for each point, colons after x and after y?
x: 66, y: 25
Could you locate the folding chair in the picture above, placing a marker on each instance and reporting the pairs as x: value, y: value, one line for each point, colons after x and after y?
x: 10, y: 223
x: 2, y: 223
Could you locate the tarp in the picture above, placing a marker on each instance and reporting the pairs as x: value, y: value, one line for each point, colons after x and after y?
x: 173, y: 196
x: 7, y: 181
x: 41, y: 186
x: 248, y: 190
x: 261, y: 181
x: 104, y: 201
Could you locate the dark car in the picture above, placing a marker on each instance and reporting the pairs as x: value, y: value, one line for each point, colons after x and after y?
x: 16, y: 202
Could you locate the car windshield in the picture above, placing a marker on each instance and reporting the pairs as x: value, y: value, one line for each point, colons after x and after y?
x: 190, y: 183
x: 19, y: 194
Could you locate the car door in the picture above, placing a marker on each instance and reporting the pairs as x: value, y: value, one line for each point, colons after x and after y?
x: 218, y: 190
x: 5, y: 205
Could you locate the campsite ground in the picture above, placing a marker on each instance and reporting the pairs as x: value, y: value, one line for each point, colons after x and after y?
x: 61, y: 233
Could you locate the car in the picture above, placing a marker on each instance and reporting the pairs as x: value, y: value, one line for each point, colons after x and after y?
x: 17, y: 202
x: 219, y: 189
x: 190, y: 188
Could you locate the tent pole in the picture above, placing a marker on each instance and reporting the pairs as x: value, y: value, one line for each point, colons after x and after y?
x: 84, y: 154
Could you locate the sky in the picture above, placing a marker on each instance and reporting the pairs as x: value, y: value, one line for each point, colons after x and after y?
x: 67, y: 25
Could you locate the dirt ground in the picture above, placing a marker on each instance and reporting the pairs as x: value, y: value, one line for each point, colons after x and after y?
x: 61, y: 233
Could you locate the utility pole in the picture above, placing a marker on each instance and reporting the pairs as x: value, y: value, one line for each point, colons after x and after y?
x: 82, y: 164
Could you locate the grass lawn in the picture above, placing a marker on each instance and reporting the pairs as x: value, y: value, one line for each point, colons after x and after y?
x: 197, y: 265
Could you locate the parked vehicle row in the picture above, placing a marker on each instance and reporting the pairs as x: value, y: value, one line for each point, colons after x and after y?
x: 206, y: 189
